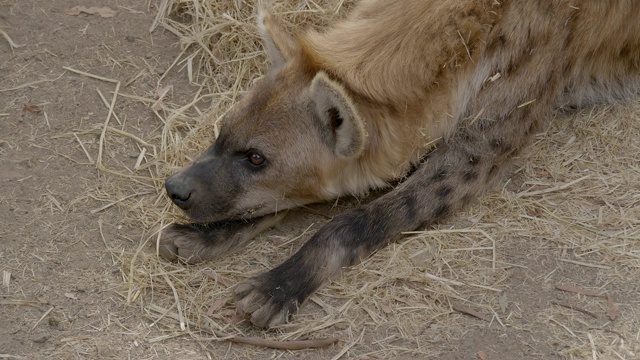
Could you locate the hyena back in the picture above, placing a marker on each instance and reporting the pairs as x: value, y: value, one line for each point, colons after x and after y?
x: 455, y: 89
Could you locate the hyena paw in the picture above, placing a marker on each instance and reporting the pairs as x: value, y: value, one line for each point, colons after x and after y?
x: 264, y: 302
x: 195, y: 243
x: 181, y: 241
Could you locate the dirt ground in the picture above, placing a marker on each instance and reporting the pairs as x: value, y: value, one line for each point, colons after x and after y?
x: 67, y: 240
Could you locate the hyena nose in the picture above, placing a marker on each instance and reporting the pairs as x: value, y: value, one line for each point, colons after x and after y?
x: 180, y: 191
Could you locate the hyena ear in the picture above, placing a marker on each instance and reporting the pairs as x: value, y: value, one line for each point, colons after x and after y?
x: 279, y: 45
x: 342, y: 124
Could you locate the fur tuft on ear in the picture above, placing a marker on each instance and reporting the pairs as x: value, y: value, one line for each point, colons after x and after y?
x: 278, y: 44
x: 345, y: 130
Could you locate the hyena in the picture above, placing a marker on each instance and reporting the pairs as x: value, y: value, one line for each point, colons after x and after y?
x: 439, y: 95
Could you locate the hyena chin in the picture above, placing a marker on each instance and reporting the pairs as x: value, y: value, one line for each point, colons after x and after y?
x: 455, y: 89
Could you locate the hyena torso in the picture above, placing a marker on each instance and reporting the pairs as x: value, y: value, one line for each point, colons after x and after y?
x: 454, y: 88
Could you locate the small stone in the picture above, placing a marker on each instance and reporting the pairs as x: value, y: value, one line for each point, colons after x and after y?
x: 105, y: 351
x: 40, y: 338
x: 54, y: 322
x: 27, y: 163
x: 130, y: 38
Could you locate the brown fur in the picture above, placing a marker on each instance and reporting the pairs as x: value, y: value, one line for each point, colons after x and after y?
x: 456, y: 88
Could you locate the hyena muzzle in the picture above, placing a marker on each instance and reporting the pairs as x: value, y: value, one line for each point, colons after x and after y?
x: 454, y: 89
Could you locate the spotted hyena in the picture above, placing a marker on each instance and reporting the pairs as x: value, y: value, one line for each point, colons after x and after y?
x: 451, y: 89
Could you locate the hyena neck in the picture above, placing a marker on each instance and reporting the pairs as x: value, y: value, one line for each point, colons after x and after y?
x: 392, y: 147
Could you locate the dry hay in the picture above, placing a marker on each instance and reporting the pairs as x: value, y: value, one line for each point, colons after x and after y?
x: 568, y: 214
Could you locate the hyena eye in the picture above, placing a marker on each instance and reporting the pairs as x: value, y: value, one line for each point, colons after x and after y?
x: 255, y: 158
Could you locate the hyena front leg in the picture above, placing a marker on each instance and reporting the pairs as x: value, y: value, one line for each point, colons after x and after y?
x: 194, y: 243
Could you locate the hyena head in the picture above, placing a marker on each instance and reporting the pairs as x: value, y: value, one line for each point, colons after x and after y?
x: 281, y: 146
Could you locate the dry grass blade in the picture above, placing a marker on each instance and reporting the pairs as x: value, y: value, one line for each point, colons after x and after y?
x: 274, y: 344
x: 555, y: 188
x: 576, y: 290
x: 612, y: 311
x: 84, y: 149
x: 41, y: 317
x: 29, y: 84
x: 573, y: 307
x: 106, y: 125
x: 469, y: 311
x: 93, y: 76
x: 163, y: 10
x: 255, y: 341
x: 346, y: 348
x: 22, y: 303
x: 582, y: 263
x: 11, y: 43
x: 181, y: 318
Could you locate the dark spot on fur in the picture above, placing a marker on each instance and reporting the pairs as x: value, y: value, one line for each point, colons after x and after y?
x: 500, y: 146
x: 496, y: 43
x: 358, y: 224
x: 474, y: 160
x: 496, y: 144
x: 410, y: 206
x: 486, y: 124
x: 361, y: 229
x: 466, y: 136
x: 511, y: 68
x: 444, y: 191
x: 626, y: 51
x: 493, y: 170
x: 441, y: 211
x: 440, y: 174
x: 467, y: 199
x: 530, y: 129
x: 469, y: 176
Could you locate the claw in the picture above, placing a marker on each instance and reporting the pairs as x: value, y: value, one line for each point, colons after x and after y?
x: 261, y: 308
x: 167, y: 248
